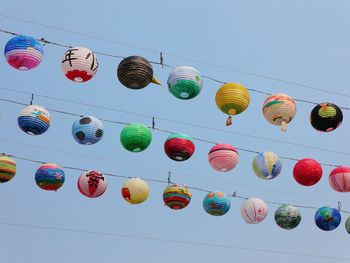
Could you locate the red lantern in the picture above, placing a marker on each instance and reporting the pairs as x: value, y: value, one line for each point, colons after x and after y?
x: 307, y: 172
x: 339, y: 179
x: 179, y: 147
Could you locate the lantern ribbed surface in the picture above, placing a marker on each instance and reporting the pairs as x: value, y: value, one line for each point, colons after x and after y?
x: 79, y: 64
x: 49, y: 177
x: 253, y: 210
x: 347, y: 225
x: 267, y: 165
x: 223, y: 157
x: 23, y: 52
x: 339, y: 179
x: 135, y: 137
x: 34, y: 120
x: 287, y: 217
x: 176, y: 196
x: 307, y: 172
x: 92, y: 184
x: 7, y: 168
x: 326, y: 117
x: 216, y: 203
x: 88, y: 130
x: 135, y: 191
x: 327, y: 218
x: 185, y: 82
x: 179, y: 147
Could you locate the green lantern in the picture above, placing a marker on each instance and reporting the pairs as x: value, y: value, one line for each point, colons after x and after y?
x: 135, y: 137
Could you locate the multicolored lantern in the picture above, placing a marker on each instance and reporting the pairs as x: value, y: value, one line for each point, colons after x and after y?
x: 253, y: 210
x: 23, y: 52
x: 135, y: 191
x: 327, y: 218
x: 267, y: 165
x: 339, y: 179
x: 179, y: 147
x: 326, y: 117
x: 185, y: 82
x: 216, y: 203
x: 223, y: 157
x: 287, y: 217
x: 176, y: 196
x: 307, y: 172
x: 347, y: 225
x: 92, y: 184
x: 49, y: 177
x: 7, y: 168
x: 34, y: 120
x: 79, y: 64
x: 135, y: 137
x: 88, y: 130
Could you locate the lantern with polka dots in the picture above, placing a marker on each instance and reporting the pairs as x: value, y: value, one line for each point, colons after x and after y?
x: 34, y: 120
x: 253, y: 210
x: 223, y: 157
x: 88, y: 130
x: 307, y: 172
x: 135, y: 191
x: 50, y: 177
x: 216, y: 203
x: 339, y: 179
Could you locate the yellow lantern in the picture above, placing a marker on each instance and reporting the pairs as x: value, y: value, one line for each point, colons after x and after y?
x: 135, y: 191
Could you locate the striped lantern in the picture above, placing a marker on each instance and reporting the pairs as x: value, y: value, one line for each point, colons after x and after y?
x: 216, y: 203
x: 34, y: 120
x: 223, y: 157
x: 287, y: 217
x: 339, y: 179
x: 49, y: 177
x: 135, y: 191
x: 253, y: 210
x: 79, y: 64
x: 176, y: 196
x: 327, y: 218
x: 185, y: 82
x: 136, y: 72
x: 88, y: 130
x: 326, y: 117
x: 347, y: 225
x: 23, y: 52
x: 267, y: 165
x: 179, y: 147
x: 7, y: 168
x: 135, y: 137
x: 307, y: 172
x: 279, y: 109
x: 92, y: 184
x: 232, y: 99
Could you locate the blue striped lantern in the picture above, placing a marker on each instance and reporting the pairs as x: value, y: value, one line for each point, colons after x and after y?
x: 88, y: 130
x: 267, y: 165
x: 34, y: 120
x: 216, y: 203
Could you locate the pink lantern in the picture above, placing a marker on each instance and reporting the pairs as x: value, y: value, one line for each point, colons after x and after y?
x: 339, y: 179
x: 223, y: 157
x: 92, y: 184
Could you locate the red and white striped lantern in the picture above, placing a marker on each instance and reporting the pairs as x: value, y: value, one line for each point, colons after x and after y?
x: 92, y: 184
x: 223, y: 157
x: 339, y: 179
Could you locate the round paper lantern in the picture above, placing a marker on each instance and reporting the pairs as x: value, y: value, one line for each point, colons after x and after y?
x: 49, y: 177
x: 216, y: 203
x: 179, y: 147
x: 7, y: 168
x: 267, y: 165
x: 327, y: 218
x: 23, y: 52
x: 92, y: 184
x: 185, y: 82
x: 79, y: 64
x: 254, y: 210
x: 326, y: 117
x: 135, y: 72
x: 176, y: 196
x: 135, y: 137
x: 88, y: 130
x: 223, y: 157
x: 279, y: 109
x: 287, y: 217
x: 339, y: 179
x: 347, y: 225
x: 135, y: 191
x: 34, y: 120
x: 307, y: 172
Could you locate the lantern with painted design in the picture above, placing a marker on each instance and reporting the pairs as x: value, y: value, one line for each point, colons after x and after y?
x: 223, y: 157
x: 307, y: 172
x: 176, y: 196
x: 287, y: 217
x: 50, y: 177
x: 7, y: 168
x: 267, y: 165
x: 216, y: 203
x: 92, y: 184
x: 326, y: 117
x: 135, y: 137
x: 135, y: 191
x: 253, y: 210
x: 179, y: 147
x: 327, y: 218
x: 34, y: 120
x: 88, y: 130
x: 347, y: 225
x: 339, y: 179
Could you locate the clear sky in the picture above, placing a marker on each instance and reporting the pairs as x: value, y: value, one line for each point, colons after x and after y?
x: 305, y: 42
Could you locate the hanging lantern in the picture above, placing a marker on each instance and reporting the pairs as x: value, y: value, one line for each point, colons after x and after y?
x: 327, y: 218
x: 223, y: 157
x: 34, y: 120
x: 267, y: 165
x: 253, y: 210
x: 92, y: 184
x: 287, y: 217
x: 307, y: 172
x: 279, y: 109
x: 347, y: 225
x: 135, y: 72
x: 176, y: 196
x: 23, y: 52
x: 79, y: 64
x: 185, y: 82
x: 339, y: 179
x: 326, y: 117
x: 179, y: 147
x: 216, y: 203
x: 232, y: 99
x: 135, y: 137
x: 135, y: 191
x: 88, y: 130
x: 49, y: 177
x: 7, y: 168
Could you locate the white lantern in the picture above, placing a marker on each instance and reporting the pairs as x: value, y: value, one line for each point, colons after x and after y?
x: 254, y: 210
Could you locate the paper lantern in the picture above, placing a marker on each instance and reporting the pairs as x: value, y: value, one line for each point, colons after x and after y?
x: 327, y: 218
x: 92, y: 184
x: 279, y: 109
x: 23, y: 52
x: 34, y: 120
x: 185, y: 82
x: 216, y: 203
x: 307, y: 172
x: 135, y: 137
x: 326, y: 117
x: 287, y: 217
x: 79, y: 64
x: 88, y: 130
x: 49, y: 177
x: 254, y: 210
x: 339, y: 179
x: 179, y: 147
x: 176, y: 196
x: 135, y: 191
x: 267, y: 165
x: 223, y: 157
x: 347, y: 225
x: 135, y: 72
x: 7, y: 168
